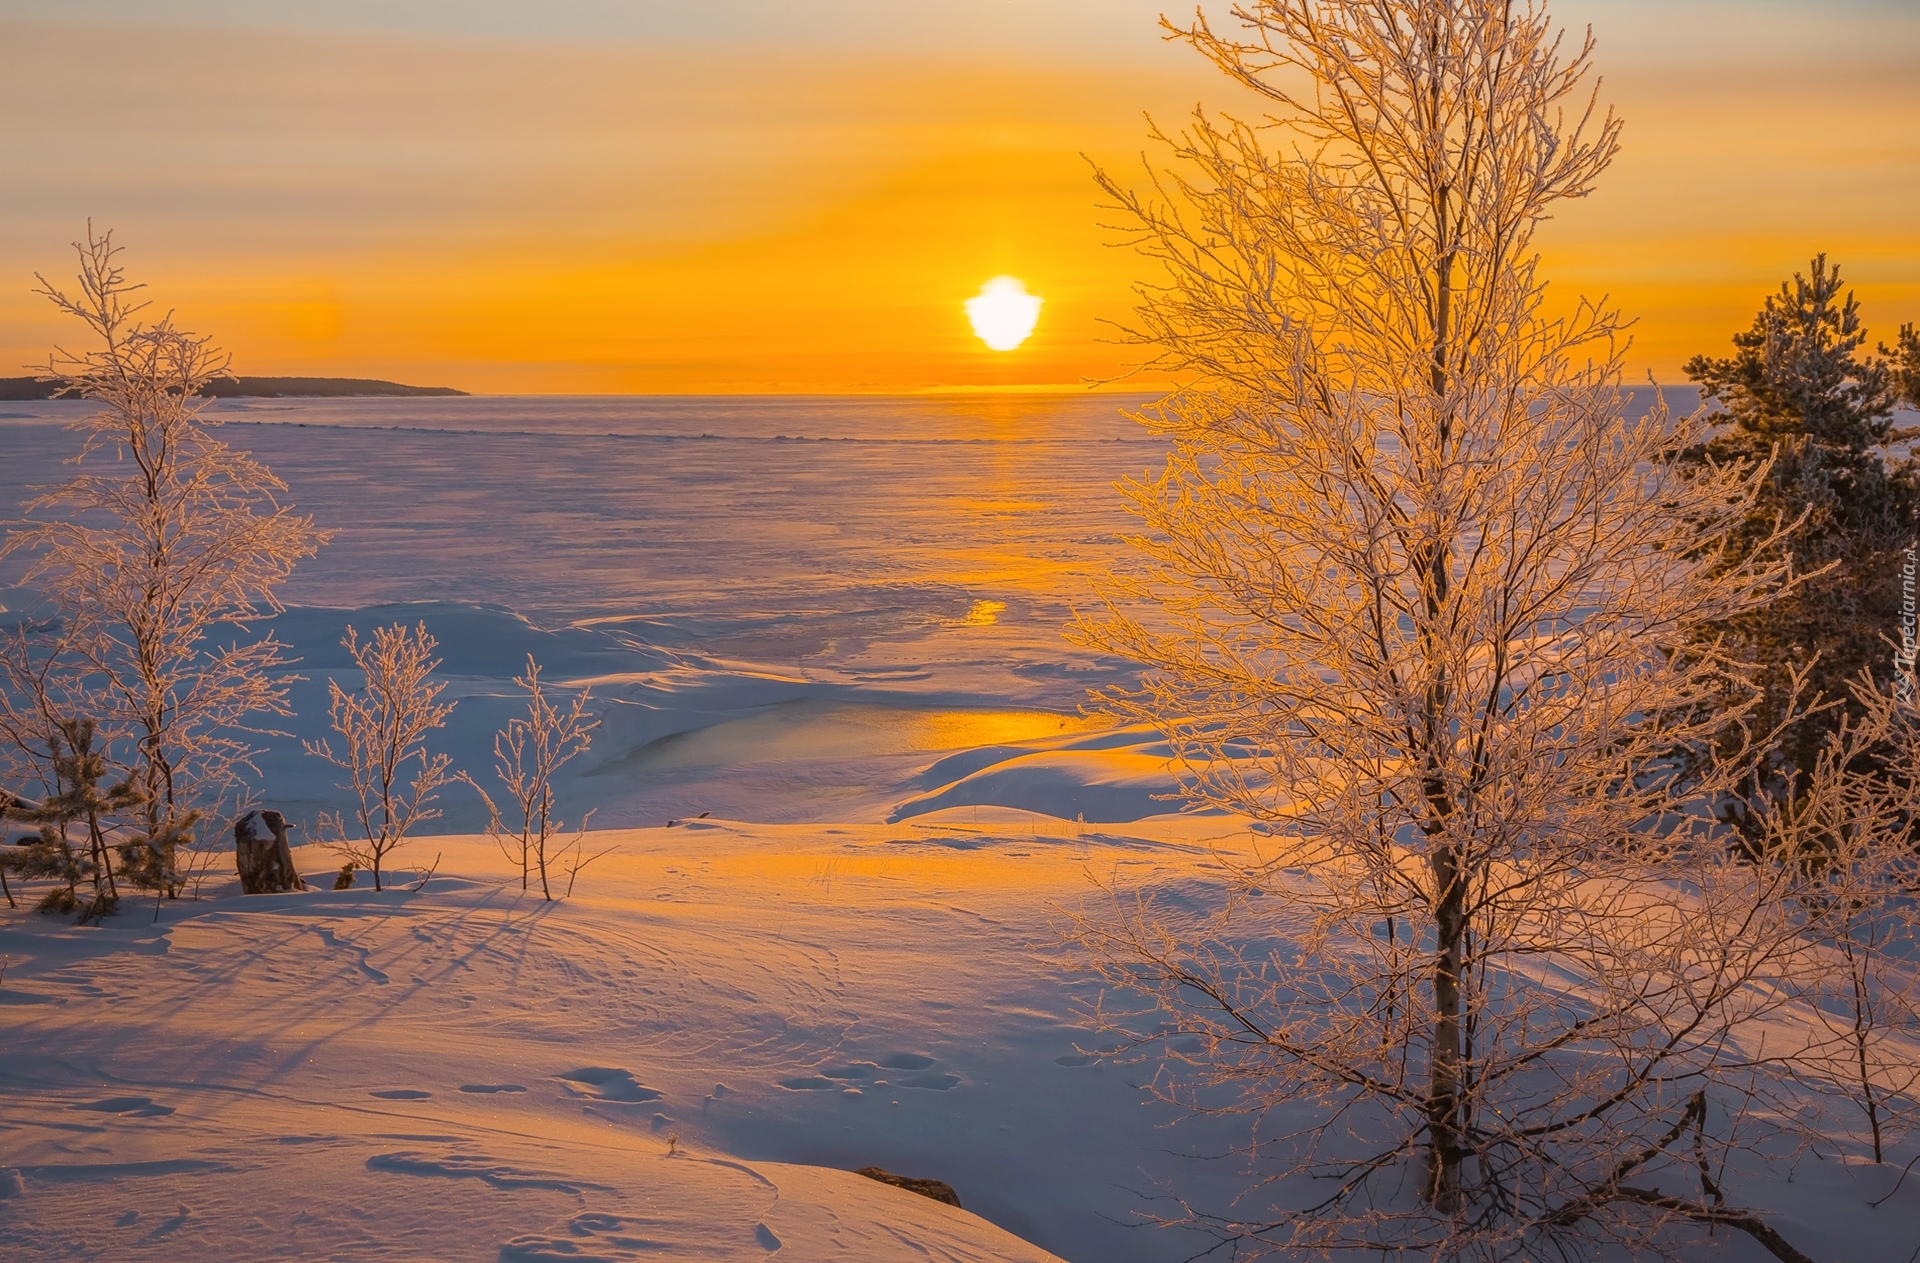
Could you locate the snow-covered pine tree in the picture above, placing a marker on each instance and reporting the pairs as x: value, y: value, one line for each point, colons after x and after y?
x: 77, y: 766
x: 1799, y: 399
x: 1904, y: 363
x: 165, y: 543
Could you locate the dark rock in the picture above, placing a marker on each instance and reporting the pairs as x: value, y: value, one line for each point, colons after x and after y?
x: 938, y: 1190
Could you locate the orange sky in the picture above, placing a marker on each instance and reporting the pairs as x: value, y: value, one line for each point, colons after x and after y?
x: 604, y: 209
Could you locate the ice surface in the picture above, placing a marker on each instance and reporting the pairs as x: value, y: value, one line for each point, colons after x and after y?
x: 788, y: 607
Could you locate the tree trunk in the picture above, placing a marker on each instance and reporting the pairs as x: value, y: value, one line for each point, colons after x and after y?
x: 1444, y: 1150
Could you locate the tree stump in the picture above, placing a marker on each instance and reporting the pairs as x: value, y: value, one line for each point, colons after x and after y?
x: 261, y: 853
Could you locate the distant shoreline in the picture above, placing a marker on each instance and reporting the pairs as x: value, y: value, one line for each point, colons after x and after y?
x: 16, y: 389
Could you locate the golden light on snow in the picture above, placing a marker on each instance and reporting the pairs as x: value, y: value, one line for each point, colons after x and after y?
x: 984, y: 614
x: 1003, y: 313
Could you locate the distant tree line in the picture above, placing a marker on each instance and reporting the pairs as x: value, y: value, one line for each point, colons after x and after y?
x: 228, y: 387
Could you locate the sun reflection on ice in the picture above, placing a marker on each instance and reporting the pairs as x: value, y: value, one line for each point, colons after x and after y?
x: 983, y: 614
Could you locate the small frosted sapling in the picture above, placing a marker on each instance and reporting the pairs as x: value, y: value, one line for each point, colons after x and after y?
x: 527, y: 753
x: 384, y: 728
x: 39, y: 687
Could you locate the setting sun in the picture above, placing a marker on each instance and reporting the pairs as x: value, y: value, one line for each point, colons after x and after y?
x: 1003, y: 313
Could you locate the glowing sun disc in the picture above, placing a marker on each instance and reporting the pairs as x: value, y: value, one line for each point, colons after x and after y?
x: 1003, y: 313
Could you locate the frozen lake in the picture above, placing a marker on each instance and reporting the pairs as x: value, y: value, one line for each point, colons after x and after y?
x: 825, y: 534
x: 790, y: 609
x: 848, y: 583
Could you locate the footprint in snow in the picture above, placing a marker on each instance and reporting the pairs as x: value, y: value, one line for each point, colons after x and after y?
x: 606, y: 1083
x: 907, y: 1061
x: 127, y: 1107
x: 929, y: 1082
x: 401, y: 1094
x: 361, y: 954
x: 169, y: 1226
x: 840, y: 1077
x: 488, y: 1088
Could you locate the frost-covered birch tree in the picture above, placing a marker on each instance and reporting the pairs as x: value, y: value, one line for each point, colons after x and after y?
x: 1420, y: 593
x: 158, y: 554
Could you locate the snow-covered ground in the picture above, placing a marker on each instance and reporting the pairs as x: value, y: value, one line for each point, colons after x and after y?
x: 467, y: 1071
x: 834, y: 625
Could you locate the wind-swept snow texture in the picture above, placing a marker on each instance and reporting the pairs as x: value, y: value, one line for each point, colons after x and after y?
x: 466, y: 1072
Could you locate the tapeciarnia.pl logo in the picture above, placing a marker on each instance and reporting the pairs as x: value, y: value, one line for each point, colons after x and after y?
x: 1903, y: 658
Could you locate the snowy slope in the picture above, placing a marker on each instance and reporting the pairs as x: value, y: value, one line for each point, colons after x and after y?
x: 466, y: 1072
